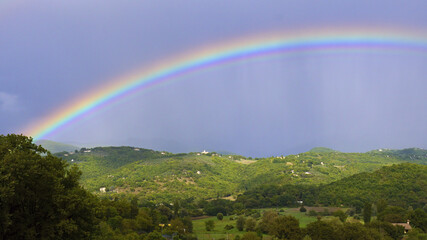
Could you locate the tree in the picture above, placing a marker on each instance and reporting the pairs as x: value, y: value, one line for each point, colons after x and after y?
x: 367, y: 212
x: 154, y: 236
x: 381, y: 205
x: 392, y: 214
x: 385, y: 228
x: 250, y: 224
x: 177, y: 226
x: 240, y: 223
x: 176, y: 207
x: 321, y: 230
x: 418, y: 219
x: 220, y: 216
x: 356, y: 231
x: 134, y: 207
x: 144, y: 222
x: 188, y: 224
x: 228, y: 227
x: 302, y: 209
x: 267, y: 220
x: 341, y: 215
x: 285, y: 227
x: 210, y: 225
x: 40, y: 195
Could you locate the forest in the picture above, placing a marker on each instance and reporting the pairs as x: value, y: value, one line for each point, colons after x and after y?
x: 136, y: 193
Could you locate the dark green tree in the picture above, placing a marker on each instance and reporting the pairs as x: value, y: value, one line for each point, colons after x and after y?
x: 386, y: 229
x: 220, y: 216
x: 341, y: 215
x: 240, y: 223
x: 321, y: 230
x: 40, y: 195
x: 267, y: 220
x: 154, y: 236
x: 134, y: 207
x: 210, y: 225
x: 367, y: 212
x: 178, y: 226
x: 250, y: 224
x: 418, y: 219
x: 302, y: 209
x: 393, y: 214
x: 356, y: 231
x: 285, y: 227
x: 381, y: 205
x: 176, y: 207
x: 188, y: 224
x: 144, y: 222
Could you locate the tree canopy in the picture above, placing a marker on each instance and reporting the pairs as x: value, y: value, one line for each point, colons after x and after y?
x: 40, y: 196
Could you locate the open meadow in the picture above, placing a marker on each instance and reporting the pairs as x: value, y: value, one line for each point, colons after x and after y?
x: 219, y: 232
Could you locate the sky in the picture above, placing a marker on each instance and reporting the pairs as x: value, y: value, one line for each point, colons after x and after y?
x: 352, y: 100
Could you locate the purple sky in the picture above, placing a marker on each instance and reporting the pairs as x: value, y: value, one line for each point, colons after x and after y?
x: 52, y: 52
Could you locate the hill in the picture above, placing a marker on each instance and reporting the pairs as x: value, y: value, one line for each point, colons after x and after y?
x: 55, y: 147
x: 162, y: 176
x: 415, y: 155
x: 402, y: 185
x: 322, y: 150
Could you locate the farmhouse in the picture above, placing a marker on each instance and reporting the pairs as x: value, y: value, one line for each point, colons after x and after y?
x: 405, y: 225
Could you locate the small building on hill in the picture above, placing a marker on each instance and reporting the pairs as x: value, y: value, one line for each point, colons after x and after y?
x: 406, y: 226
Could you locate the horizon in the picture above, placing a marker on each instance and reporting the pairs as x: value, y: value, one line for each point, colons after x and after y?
x: 91, y: 146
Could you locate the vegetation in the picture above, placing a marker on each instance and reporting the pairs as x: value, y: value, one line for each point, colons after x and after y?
x: 402, y: 185
x: 40, y: 196
x: 160, y: 176
x: 154, y: 195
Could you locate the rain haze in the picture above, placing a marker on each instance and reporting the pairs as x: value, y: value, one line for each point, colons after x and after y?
x: 352, y: 100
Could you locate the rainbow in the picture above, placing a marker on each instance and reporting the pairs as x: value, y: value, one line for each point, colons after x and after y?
x: 219, y: 54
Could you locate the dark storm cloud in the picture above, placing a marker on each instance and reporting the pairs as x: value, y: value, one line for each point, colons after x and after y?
x: 54, y: 51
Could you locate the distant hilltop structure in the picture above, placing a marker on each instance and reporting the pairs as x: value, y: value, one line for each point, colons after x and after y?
x: 204, y: 152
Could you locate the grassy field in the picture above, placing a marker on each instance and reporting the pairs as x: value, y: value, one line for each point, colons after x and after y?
x: 218, y: 232
x: 200, y: 230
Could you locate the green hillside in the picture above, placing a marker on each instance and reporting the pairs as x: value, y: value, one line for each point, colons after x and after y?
x: 55, y: 147
x: 415, y: 155
x: 402, y: 185
x: 162, y: 176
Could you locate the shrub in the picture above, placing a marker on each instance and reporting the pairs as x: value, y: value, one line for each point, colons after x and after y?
x: 312, y: 213
x: 210, y: 225
x: 302, y: 209
x: 228, y: 227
